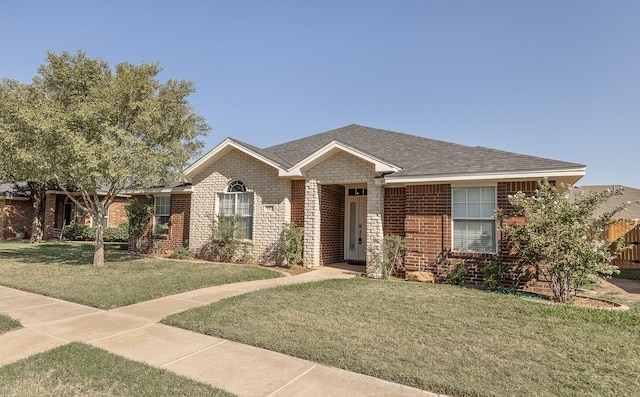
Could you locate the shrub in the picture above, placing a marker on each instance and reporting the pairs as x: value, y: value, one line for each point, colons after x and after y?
x: 78, y: 232
x: 393, y: 250
x: 290, y: 244
x: 181, y: 253
x: 223, y: 245
x: 558, y: 236
x: 456, y: 275
x: 117, y: 234
x: 493, y: 273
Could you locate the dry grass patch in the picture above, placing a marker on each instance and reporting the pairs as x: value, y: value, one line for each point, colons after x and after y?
x: 64, y: 270
x: 436, y: 337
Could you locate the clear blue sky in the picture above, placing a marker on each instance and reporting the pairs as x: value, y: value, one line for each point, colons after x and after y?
x: 550, y: 78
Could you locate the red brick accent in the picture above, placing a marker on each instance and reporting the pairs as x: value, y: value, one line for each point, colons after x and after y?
x: 14, y: 214
x: 297, y: 202
x: 180, y: 217
x: 331, y: 224
x: 394, y: 211
x: 117, y: 212
x: 427, y: 224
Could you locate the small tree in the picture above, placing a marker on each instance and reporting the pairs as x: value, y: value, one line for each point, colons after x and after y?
x: 560, y: 236
x: 139, y: 215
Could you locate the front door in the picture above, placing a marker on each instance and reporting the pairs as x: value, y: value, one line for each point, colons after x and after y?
x: 356, y: 225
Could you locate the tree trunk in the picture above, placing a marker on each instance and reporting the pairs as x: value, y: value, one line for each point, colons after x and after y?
x: 98, y: 255
x: 38, y: 197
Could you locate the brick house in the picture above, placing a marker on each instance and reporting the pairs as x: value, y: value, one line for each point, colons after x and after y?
x: 167, y: 230
x: 350, y: 187
x: 16, y: 211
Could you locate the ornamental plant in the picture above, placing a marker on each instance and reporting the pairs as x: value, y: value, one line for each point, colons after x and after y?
x: 560, y: 236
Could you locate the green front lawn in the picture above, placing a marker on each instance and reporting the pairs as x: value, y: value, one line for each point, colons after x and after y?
x: 80, y: 370
x: 437, y: 337
x: 8, y: 324
x: 64, y: 270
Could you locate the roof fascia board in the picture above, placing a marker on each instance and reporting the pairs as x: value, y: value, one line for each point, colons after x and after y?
x: 562, y: 173
x: 223, y: 148
x: 14, y: 197
x: 162, y: 189
x: 328, y: 150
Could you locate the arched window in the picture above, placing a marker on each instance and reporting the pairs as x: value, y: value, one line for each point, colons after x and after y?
x: 236, y: 206
x: 237, y: 187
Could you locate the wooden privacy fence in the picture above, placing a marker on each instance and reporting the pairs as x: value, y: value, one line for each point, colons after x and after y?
x: 630, y: 257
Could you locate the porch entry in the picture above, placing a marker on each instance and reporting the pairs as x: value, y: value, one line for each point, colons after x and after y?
x: 356, y: 226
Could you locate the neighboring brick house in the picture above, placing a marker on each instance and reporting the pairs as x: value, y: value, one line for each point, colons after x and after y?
x: 167, y: 230
x: 351, y: 186
x: 16, y: 211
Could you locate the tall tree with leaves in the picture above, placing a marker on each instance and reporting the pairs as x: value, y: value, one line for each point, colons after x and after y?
x: 19, y: 163
x: 560, y: 236
x: 101, y: 130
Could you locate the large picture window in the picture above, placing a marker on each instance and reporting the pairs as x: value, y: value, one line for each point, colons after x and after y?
x: 161, y: 215
x: 236, y: 205
x: 474, y: 228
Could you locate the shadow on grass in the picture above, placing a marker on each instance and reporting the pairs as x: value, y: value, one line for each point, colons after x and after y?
x: 64, y: 253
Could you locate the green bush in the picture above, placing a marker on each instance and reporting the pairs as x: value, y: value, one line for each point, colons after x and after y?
x: 117, y: 234
x: 78, y: 232
x: 290, y: 244
x: 456, y: 275
x: 181, y: 253
x: 493, y: 273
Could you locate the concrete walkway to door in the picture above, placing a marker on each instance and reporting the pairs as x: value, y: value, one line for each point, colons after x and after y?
x: 134, y: 332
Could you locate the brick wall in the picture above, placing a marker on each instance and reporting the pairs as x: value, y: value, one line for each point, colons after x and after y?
x: 427, y: 228
x: 297, y: 202
x: 14, y: 214
x: 117, y: 212
x: 178, y: 236
x: 332, y: 199
x: 427, y: 224
x: 394, y: 210
x: 271, y: 205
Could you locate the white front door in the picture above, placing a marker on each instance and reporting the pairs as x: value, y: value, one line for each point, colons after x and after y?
x: 356, y: 225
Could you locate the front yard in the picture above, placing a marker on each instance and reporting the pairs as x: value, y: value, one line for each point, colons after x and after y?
x: 437, y: 337
x: 64, y: 271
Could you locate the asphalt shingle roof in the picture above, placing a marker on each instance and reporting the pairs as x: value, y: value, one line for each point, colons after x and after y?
x: 632, y: 211
x: 417, y: 156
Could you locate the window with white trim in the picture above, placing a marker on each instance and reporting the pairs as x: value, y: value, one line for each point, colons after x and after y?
x: 236, y: 205
x: 474, y: 228
x: 161, y: 215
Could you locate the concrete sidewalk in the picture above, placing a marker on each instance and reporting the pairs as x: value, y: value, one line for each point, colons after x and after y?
x: 133, y: 332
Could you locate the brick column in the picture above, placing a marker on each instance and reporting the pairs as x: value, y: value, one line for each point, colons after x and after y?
x: 311, y: 224
x: 375, y: 233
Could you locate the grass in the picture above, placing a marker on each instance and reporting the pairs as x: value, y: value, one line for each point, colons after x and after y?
x: 64, y: 270
x: 631, y: 274
x: 77, y: 369
x: 8, y: 324
x: 440, y: 338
